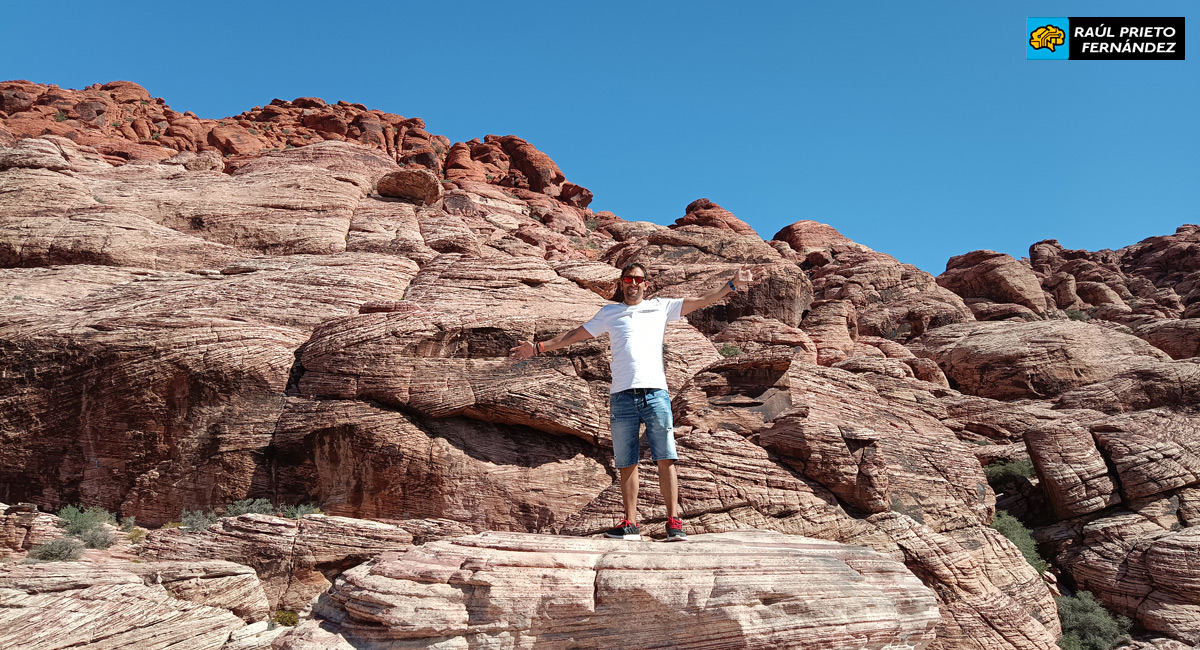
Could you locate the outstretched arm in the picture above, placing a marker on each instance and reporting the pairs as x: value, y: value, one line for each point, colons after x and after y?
x: 742, y: 279
x: 528, y: 348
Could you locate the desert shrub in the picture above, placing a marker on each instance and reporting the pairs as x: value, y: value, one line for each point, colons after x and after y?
x: 1075, y: 314
x: 729, y: 350
x: 60, y: 116
x: 137, y: 535
x: 284, y: 617
x: 63, y: 549
x: 78, y: 521
x: 591, y: 224
x: 256, y: 506
x: 1018, y: 534
x: 172, y: 524
x: 1087, y: 625
x: 98, y: 537
x: 296, y: 512
x: 1000, y: 473
x: 195, y: 521
x: 128, y: 524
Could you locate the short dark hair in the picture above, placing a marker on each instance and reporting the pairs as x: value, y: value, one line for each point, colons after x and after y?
x: 634, y: 265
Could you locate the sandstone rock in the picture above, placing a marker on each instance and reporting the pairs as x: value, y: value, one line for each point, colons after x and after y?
x: 21, y: 530
x: 1072, y: 470
x: 980, y: 614
x: 753, y: 333
x: 363, y: 461
x: 864, y: 449
x: 117, y: 611
x: 149, y: 130
x: 1006, y: 360
x: 1151, y: 451
x: 597, y: 277
x: 833, y: 327
x: 416, y: 184
x: 995, y: 276
x: 806, y: 237
x: 1134, y: 567
x: 591, y: 589
x: 1173, y: 384
x: 1178, y: 338
x: 893, y: 300
x: 703, y: 212
x: 188, y: 370
x: 289, y: 555
x: 233, y: 140
x: 388, y: 227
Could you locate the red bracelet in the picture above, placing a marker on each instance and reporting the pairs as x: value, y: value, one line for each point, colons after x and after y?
x: 541, y: 348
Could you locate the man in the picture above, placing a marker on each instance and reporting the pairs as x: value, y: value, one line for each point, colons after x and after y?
x: 638, y: 394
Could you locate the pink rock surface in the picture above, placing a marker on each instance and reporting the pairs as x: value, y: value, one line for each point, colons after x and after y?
x: 1038, y: 360
x: 748, y: 589
x: 288, y: 555
x: 994, y: 276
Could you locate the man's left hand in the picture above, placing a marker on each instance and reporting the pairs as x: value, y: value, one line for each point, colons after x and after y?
x: 746, y: 276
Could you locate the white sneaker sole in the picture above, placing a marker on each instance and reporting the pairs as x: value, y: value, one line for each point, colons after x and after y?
x: 628, y: 538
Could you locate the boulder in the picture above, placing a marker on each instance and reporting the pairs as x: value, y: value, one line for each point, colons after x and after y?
x: 418, y: 185
x: 740, y: 589
x: 290, y: 556
x: 994, y: 276
x: 1012, y: 360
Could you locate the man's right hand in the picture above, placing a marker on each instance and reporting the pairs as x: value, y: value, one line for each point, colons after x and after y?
x: 523, y: 351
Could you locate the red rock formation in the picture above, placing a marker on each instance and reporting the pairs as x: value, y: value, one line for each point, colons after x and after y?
x: 185, y: 332
x: 792, y: 592
x: 703, y: 212
x: 995, y: 277
x: 1038, y: 360
x: 123, y: 122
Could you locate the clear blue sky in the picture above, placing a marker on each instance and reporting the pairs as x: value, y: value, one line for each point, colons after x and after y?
x: 918, y: 128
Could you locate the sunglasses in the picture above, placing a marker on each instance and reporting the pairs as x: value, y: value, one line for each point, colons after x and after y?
x: 633, y: 279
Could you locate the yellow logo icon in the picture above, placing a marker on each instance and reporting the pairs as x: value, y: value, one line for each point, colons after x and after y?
x: 1048, y: 36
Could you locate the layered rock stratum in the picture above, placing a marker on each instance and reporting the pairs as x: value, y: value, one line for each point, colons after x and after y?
x: 313, y: 303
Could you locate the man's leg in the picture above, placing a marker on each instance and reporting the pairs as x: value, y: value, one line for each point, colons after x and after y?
x: 629, y: 491
x: 625, y: 426
x: 661, y: 434
x: 668, y: 482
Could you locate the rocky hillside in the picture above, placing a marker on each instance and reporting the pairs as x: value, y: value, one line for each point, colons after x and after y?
x: 313, y: 303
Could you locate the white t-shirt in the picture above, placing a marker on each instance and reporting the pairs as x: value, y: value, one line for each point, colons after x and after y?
x: 635, y: 334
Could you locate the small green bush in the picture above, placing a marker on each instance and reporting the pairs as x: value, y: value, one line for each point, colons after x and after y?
x: 137, y: 535
x: 60, y: 116
x: 296, y: 512
x: 285, y: 617
x: 128, y: 524
x: 1000, y: 473
x: 1086, y: 625
x: 252, y: 131
x: 1075, y: 314
x: 256, y: 506
x: 98, y: 537
x: 591, y: 224
x: 195, y: 521
x: 63, y: 549
x: 172, y: 524
x: 78, y: 521
x: 729, y: 350
x: 1018, y: 534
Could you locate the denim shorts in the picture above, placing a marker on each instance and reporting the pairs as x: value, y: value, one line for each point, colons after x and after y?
x: 628, y: 410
